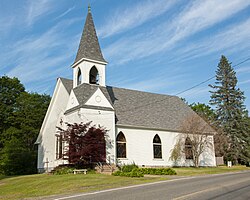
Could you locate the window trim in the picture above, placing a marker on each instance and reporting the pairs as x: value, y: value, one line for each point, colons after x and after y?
x: 96, y: 76
x: 188, y: 147
x: 121, y: 143
x: 79, y: 77
x: 158, y: 145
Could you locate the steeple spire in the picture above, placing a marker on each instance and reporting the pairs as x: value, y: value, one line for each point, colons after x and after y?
x: 89, y: 8
x: 89, y: 46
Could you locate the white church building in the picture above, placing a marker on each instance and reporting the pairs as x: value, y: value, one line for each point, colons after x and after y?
x: 143, y: 127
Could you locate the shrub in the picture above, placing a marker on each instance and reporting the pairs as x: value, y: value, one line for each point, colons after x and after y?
x: 158, y: 171
x: 91, y: 171
x: 134, y: 173
x: 133, y: 170
x: 63, y: 170
x: 117, y: 173
x: 129, y: 168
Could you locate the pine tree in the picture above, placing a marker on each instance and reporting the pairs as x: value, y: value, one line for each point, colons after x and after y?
x: 230, y: 109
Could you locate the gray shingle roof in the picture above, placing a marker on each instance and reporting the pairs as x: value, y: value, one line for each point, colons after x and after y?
x: 68, y: 84
x: 141, y: 109
x: 149, y: 110
x: 89, y: 46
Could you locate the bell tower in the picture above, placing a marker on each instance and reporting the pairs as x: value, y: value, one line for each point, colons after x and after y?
x: 89, y: 65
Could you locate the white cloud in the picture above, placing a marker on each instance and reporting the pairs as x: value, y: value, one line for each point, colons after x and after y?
x: 196, y: 92
x: 243, y: 70
x: 194, y: 18
x: 244, y: 82
x: 232, y: 39
x: 202, y: 14
x: 37, y: 9
x: 5, y: 24
x: 38, y: 54
x: 65, y: 13
x: 162, y: 83
x: 125, y: 19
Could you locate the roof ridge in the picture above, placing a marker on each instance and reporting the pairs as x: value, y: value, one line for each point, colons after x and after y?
x: 143, y: 91
x: 134, y: 90
x: 68, y: 83
x: 65, y: 78
x: 90, y: 95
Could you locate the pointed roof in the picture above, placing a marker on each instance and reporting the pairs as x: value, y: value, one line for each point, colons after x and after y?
x: 89, y: 46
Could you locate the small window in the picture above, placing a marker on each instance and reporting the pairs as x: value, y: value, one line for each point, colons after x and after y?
x: 157, y: 147
x: 59, y: 147
x: 188, y: 149
x: 121, y: 146
x: 79, y: 77
x: 93, y: 76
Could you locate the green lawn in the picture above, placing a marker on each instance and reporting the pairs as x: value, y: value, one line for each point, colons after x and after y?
x: 2, y: 177
x: 190, y: 171
x: 20, y: 187
x: 43, y: 185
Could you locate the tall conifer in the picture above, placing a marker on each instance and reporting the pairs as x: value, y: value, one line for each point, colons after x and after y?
x: 228, y: 100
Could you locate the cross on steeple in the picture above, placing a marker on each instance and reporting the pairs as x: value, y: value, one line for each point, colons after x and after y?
x: 89, y: 8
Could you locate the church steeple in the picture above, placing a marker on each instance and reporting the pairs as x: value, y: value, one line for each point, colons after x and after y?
x: 89, y: 65
x: 89, y: 46
x: 89, y: 8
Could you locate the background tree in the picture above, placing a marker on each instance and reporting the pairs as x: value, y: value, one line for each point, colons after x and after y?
x: 195, y: 130
x: 22, y: 117
x: 209, y: 115
x: 230, y: 110
x: 16, y: 158
x: 84, y: 144
x: 245, y: 156
x: 29, y: 114
x: 10, y: 90
x: 204, y: 111
x: 184, y: 100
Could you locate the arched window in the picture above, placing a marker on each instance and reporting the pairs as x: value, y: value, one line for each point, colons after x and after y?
x: 121, y: 146
x: 93, y: 76
x: 157, y: 146
x: 188, y: 148
x: 79, y: 77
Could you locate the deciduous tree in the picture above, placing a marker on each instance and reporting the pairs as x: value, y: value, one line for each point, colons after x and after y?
x: 195, y: 139
x: 10, y: 90
x: 84, y: 143
x: 21, y: 116
x: 209, y: 115
x: 205, y: 111
x: 196, y: 129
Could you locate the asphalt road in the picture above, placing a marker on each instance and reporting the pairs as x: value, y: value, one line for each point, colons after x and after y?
x: 224, y: 186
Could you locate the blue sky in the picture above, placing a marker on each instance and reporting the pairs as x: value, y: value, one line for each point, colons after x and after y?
x: 157, y: 46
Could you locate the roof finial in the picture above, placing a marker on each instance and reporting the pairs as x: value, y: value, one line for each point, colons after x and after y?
x: 89, y: 8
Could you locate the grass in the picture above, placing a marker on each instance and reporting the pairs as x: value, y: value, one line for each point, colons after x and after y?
x: 31, y: 186
x: 20, y: 187
x: 2, y: 177
x: 191, y: 171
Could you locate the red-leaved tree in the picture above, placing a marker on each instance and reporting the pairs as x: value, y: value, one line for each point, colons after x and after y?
x: 83, y: 143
